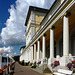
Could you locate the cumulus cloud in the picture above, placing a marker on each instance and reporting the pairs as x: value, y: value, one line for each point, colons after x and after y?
x: 7, y: 49
x: 1, y: 43
x: 14, y: 32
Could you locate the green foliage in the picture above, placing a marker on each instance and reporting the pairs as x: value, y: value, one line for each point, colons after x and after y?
x: 34, y: 65
x: 21, y: 62
x: 30, y: 64
x: 16, y: 58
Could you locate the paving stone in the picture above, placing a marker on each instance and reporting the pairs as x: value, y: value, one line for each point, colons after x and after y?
x: 21, y: 70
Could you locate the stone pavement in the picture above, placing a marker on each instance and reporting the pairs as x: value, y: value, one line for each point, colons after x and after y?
x: 22, y: 70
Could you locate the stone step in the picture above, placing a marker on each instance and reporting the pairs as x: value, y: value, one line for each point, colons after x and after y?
x: 43, y: 69
x: 47, y: 70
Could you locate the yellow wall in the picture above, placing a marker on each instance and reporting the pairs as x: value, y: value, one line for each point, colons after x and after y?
x: 62, y: 1
x: 38, y: 19
x: 36, y: 28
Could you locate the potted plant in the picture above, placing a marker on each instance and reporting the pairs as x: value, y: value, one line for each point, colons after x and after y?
x: 28, y: 62
x: 1, y: 72
x: 39, y: 62
x: 33, y: 65
x: 55, y: 63
x: 5, y: 66
x: 71, y: 65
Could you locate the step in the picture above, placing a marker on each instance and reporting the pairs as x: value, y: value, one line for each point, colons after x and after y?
x: 57, y: 73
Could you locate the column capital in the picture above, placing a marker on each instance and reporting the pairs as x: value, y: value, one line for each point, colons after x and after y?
x: 38, y: 39
x: 35, y: 43
x: 44, y: 35
x: 52, y: 27
x: 67, y: 14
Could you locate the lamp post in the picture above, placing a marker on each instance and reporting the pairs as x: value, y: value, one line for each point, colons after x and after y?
x: 7, y: 58
x: 10, y: 56
x: 1, y: 52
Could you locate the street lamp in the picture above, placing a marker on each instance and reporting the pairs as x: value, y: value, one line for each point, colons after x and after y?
x: 1, y: 52
x: 7, y: 58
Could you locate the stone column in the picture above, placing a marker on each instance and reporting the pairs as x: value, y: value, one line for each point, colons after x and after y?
x: 51, y: 59
x: 65, y: 36
x: 38, y: 54
x: 34, y: 51
x: 43, y: 47
x: 52, y: 43
x: 65, y: 58
x: 28, y: 55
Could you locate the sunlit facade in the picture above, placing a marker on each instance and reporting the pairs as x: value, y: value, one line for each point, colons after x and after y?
x: 50, y: 33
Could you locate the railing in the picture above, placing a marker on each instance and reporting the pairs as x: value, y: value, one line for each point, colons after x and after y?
x: 8, y: 69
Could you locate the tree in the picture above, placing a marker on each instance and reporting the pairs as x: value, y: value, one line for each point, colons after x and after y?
x: 16, y: 58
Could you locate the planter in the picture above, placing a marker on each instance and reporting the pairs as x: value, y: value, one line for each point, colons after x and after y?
x: 56, y: 63
x: 71, y: 65
x: 33, y: 65
x: 1, y: 72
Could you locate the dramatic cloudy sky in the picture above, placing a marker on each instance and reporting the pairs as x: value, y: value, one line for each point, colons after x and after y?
x: 12, y: 20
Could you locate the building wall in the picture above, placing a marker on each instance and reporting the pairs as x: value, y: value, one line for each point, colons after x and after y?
x: 28, y: 37
x: 38, y: 18
x: 37, y: 27
x: 31, y: 20
x: 21, y: 50
x: 62, y: 1
x: 33, y: 25
x: 32, y: 31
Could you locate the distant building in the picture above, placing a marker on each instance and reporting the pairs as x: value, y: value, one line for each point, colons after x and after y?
x: 50, y: 33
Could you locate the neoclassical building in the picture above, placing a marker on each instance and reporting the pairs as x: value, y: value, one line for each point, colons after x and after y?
x: 50, y: 33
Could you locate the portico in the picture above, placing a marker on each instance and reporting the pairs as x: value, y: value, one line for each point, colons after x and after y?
x: 61, y: 29
x: 55, y: 36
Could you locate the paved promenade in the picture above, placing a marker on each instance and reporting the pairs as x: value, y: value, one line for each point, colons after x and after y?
x: 22, y: 70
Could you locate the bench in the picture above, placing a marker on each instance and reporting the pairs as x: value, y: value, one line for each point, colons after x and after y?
x: 63, y: 72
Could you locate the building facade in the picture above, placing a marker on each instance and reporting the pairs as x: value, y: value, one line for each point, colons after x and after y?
x: 50, y: 33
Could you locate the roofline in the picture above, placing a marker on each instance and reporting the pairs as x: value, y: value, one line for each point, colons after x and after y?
x: 22, y: 47
x: 49, y: 11
x: 33, y: 8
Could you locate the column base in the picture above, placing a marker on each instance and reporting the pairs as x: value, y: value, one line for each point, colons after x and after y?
x: 41, y: 61
x: 64, y: 61
x: 50, y: 61
x: 34, y: 61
